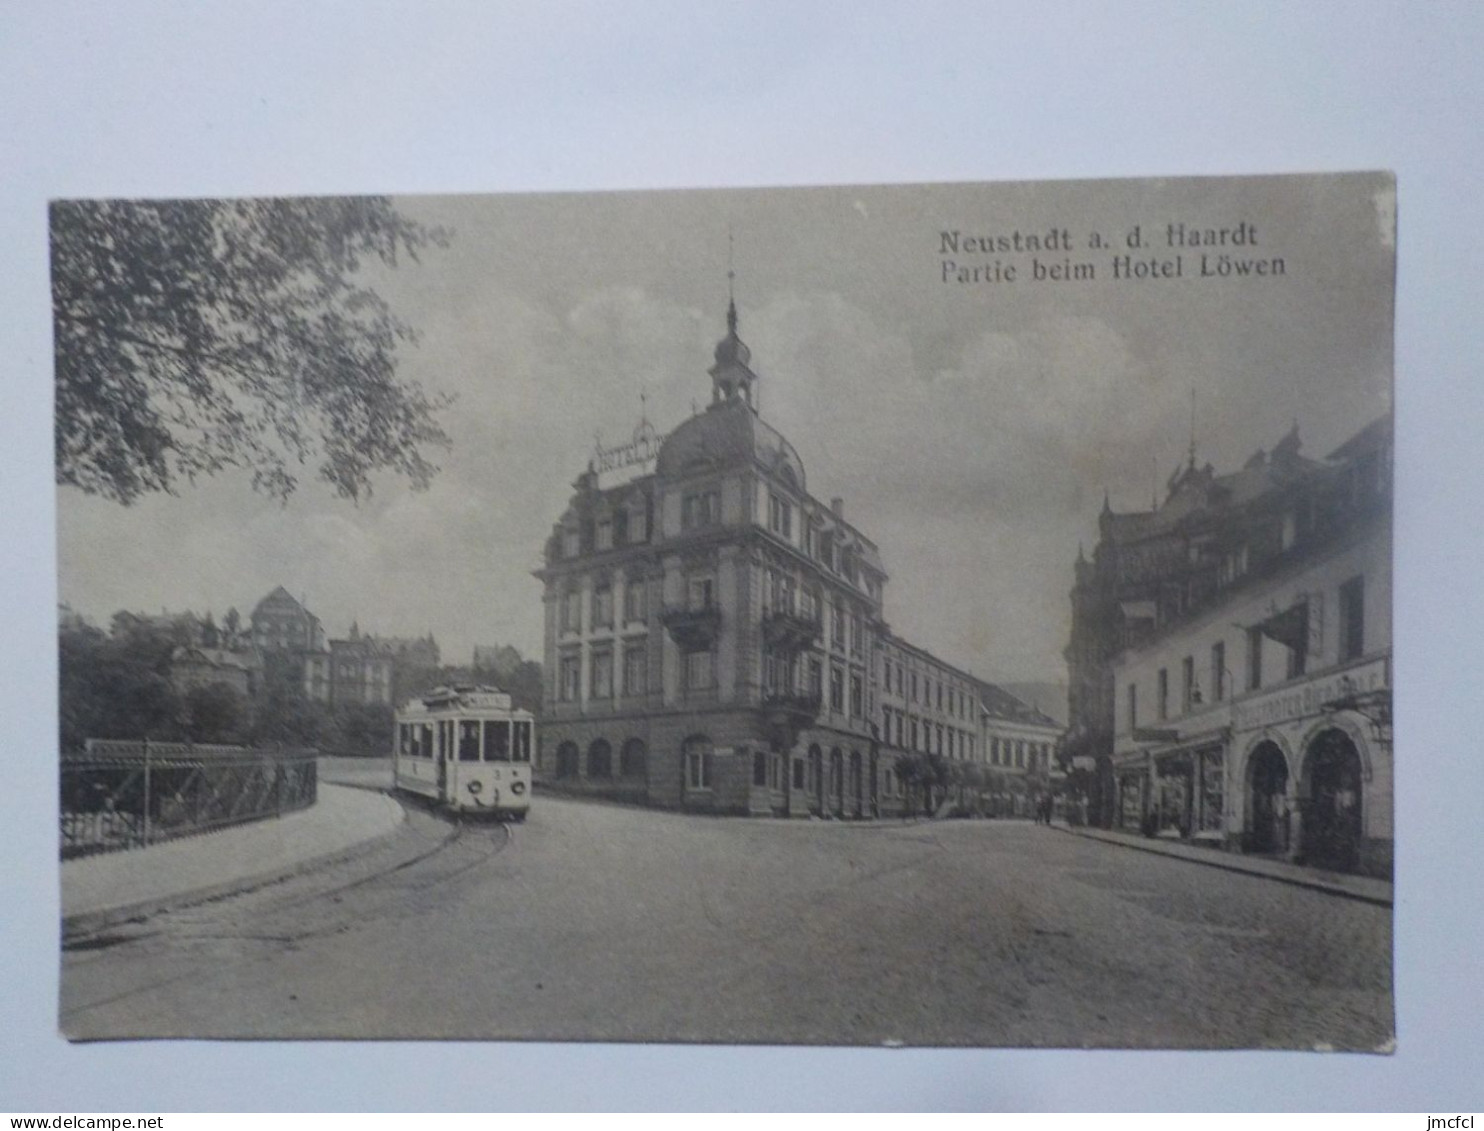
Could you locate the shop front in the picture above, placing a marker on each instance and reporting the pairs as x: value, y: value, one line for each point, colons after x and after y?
x: 1315, y: 772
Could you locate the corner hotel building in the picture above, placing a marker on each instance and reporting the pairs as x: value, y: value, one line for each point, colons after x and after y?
x: 715, y: 637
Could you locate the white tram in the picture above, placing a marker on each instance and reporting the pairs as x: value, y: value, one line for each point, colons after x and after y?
x: 468, y: 750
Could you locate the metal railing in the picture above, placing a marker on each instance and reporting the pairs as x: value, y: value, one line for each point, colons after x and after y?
x: 120, y: 795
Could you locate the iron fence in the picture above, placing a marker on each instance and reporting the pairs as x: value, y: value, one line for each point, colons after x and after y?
x: 119, y: 795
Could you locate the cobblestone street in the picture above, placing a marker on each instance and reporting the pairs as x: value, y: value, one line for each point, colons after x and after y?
x: 600, y: 922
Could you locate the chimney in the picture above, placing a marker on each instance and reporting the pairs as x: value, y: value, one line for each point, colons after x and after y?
x: 837, y: 505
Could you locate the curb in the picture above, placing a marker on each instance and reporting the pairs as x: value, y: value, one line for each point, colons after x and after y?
x: 87, y: 923
x: 1228, y: 863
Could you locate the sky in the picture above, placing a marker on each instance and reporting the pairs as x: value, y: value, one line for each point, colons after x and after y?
x: 971, y: 428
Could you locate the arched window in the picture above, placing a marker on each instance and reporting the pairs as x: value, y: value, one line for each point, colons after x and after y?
x: 633, y: 760
x: 600, y: 759
x: 566, y: 760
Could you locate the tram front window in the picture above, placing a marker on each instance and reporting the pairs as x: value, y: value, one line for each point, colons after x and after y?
x: 522, y: 742
x: 468, y: 741
x: 496, y: 741
x: 423, y: 748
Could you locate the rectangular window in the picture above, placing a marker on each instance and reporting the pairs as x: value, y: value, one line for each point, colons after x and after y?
x: 1298, y: 645
x: 468, y: 740
x: 759, y: 767
x: 857, y: 635
x: 638, y: 527
x: 940, y: 738
x: 571, y: 547
x: 571, y: 679
x: 572, y: 611
x: 780, y: 516
x: 837, y: 627
x: 700, y: 671
x: 798, y: 774
x: 620, y: 527
x: 1189, y: 696
x: 1352, y: 618
x: 912, y: 732
x: 837, y: 689
x: 1133, y: 706
x: 1254, y: 659
x: 605, y: 534
x: 1162, y: 698
x: 857, y: 696
x: 914, y: 687
x: 635, y: 672
x: 603, y: 606
x: 635, y: 607
x: 602, y: 685
x: 1218, y: 671
x: 496, y: 741
x: 701, y: 593
x: 940, y: 695
x: 701, y: 509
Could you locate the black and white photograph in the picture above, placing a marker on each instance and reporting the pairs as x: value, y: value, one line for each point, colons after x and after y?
x: 948, y: 614
x: 785, y: 556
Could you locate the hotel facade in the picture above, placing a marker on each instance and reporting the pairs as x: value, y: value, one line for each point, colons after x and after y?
x: 715, y: 635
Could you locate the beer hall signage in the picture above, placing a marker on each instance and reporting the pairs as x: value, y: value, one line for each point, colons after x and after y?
x: 1287, y: 703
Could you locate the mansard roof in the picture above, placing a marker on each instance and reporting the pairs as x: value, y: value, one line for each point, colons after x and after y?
x: 727, y: 434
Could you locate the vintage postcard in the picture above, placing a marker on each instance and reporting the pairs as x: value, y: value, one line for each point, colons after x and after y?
x: 918, y: 615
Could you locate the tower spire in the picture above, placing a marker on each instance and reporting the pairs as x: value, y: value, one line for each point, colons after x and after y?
x: 1192, y: 427
x: 731, y: 284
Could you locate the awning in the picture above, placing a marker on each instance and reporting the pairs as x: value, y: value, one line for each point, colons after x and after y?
x: 1289, y: 628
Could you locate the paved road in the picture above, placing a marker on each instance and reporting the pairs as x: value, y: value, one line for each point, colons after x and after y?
x: 599, y: 922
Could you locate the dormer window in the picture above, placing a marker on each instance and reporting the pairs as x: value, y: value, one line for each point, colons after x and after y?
x: 570, y: 544
x: 702, y: 508
x: 605, y: 534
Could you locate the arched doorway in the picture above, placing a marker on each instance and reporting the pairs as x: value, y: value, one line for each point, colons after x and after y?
x: 857, y: 785
x: 1332, y: 815
x: 1267, y: 799
x: 600, y: 759
x: 837, y: 782
x: 816, y: 781
x: 633, y: 759
x: 566, y: 760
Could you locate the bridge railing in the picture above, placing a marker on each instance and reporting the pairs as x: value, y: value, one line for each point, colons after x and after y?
x: 119, y: 795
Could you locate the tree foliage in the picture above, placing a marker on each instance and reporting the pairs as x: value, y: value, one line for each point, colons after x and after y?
x: 197, y: 335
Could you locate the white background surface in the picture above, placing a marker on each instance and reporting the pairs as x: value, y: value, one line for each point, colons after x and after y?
x: 240, y: 99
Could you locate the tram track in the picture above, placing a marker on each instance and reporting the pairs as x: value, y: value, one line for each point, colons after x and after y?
x: 294, y: 912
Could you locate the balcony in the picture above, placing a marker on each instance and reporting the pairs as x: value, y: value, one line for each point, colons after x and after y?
x: 790, y: 632
x: 787, y: 713
x: 692, y: 629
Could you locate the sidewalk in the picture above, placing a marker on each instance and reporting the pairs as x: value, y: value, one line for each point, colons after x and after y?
x: 1365, y: 888
x: 116, y: 886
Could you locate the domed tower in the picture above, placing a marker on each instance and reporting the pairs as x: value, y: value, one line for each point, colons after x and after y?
x: 731, y: 377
